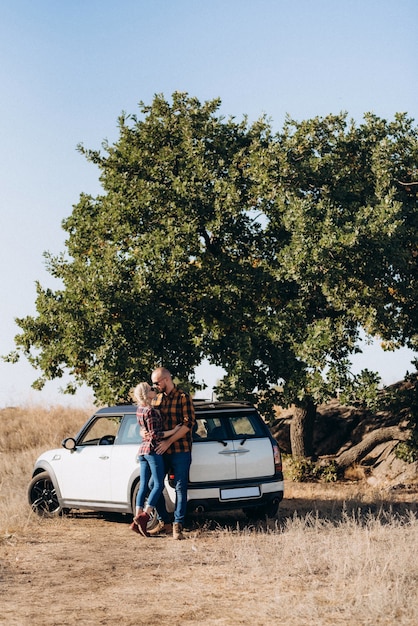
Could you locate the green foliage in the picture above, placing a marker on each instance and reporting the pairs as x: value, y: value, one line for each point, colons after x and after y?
x: 407, y: 451
x: 362, y: 389
x: 339, y: 242
x: 265, y: 253
x: 158, y: 265
x: 305, y: 470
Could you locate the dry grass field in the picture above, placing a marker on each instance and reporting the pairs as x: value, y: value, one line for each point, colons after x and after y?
x: 336, y: 554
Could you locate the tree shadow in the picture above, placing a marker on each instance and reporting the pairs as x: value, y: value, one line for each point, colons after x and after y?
x: 314, y: 510
x: 335, y: 511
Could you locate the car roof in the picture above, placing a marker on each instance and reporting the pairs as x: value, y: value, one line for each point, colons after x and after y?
x: 200, y: 406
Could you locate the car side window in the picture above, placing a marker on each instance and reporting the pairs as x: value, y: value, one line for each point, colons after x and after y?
x: 129, y: 431
x: 102, y: 431
x: 209, y: 428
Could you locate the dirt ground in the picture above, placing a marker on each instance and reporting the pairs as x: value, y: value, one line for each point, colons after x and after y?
x: 88, y: 569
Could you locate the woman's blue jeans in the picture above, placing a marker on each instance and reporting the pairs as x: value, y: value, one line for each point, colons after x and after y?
x: 151, y: 467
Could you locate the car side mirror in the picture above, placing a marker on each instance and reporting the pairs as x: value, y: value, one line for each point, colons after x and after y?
x: 69, y: 444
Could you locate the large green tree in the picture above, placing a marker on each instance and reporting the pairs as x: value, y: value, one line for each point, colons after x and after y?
x: 339, y: 204
x: 163, y: 258
x: 265, y: 253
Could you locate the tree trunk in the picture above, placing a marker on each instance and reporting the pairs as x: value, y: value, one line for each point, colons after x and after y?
x: 373, y: 439
x: 301, y: 430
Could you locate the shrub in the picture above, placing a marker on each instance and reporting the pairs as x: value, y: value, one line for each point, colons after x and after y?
x: 306, y: 470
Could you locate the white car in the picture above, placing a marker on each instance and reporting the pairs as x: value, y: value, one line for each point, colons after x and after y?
x: 236, y: 464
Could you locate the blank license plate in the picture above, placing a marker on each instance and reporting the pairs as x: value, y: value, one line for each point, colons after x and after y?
x: 240, y: 492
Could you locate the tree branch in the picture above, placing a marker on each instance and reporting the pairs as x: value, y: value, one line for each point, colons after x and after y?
x: 407, y: 184
x: 373, y: 439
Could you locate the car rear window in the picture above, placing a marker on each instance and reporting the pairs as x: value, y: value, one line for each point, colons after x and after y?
x: 237, y: 425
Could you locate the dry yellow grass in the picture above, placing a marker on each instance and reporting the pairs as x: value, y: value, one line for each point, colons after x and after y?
x: 26, y: 427
x: 337, y: 554
x: 25, y: 432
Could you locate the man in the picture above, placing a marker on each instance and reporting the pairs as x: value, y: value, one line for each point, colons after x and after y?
x: 176, y: 408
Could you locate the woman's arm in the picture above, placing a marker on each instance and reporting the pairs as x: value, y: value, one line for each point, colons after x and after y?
x: 166, y: 443
x: 168, y: 433
x: 163, y: 434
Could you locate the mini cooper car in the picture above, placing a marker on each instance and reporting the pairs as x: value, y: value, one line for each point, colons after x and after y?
x: 236, y: 464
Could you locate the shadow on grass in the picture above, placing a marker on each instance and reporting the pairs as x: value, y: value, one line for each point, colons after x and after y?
x: 334, y: 510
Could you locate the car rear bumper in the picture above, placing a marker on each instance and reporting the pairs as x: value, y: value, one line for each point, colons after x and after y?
x: 233, y: 496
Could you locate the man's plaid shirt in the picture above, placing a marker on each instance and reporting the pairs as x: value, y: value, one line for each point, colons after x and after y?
x: 176, y: 407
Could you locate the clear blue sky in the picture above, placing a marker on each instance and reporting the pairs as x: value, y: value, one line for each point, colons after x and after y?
x: 68, y: 69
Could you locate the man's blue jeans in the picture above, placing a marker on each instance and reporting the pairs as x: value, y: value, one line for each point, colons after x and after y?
x: 151, y: 466
x: 179, y: 463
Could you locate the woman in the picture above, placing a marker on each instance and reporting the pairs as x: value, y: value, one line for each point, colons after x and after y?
x: 151, y: 464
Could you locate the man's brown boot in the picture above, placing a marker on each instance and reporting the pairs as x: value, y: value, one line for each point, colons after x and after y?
x: 177, y: 531
x: 161, y: 528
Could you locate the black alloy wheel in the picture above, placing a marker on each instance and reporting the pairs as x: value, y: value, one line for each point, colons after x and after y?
x: 42, y: 495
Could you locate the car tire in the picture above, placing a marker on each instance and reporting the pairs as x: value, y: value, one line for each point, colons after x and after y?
x: 42, y: 496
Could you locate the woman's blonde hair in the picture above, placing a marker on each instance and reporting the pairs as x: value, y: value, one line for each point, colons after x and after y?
x: 140, y: 394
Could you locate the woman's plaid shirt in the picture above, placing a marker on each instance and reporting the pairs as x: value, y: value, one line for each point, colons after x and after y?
x: 150, y: 419
x: 176, y: 407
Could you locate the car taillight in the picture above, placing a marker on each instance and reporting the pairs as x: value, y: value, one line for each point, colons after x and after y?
x: 277, y: 458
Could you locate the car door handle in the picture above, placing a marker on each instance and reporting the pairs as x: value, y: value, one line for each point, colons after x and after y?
x: 103, y: 458
x: 233, y: 451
